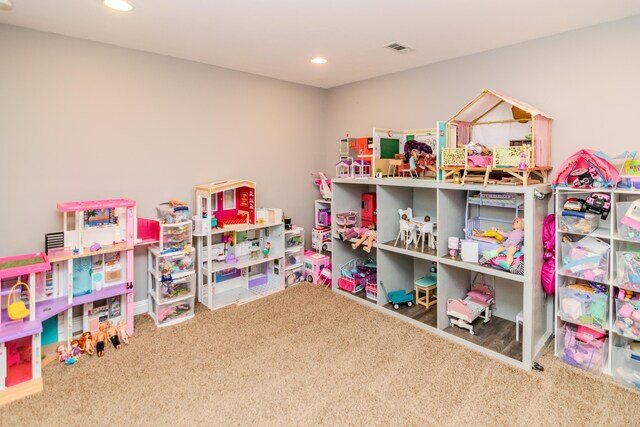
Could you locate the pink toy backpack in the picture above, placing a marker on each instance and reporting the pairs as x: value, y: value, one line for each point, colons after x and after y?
x: 548, y: 272
x: 586, y: 169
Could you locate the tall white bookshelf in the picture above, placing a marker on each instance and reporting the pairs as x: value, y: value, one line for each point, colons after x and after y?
x: 614, y: 357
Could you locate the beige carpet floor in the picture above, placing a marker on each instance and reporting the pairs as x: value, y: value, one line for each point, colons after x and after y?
x: 307, y: 356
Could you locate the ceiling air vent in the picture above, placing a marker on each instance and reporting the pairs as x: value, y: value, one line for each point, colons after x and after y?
x: 398, y: 47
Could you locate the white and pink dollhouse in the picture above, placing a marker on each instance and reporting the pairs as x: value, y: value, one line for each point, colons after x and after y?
x: 20, y: 345
x: 239, y: 247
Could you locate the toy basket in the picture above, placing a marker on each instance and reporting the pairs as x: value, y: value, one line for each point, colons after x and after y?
x: 587, y: 259
x: 628, y: 318
x: 628, y: 216
x: 625, y: 366
x: 578, y: 222
x: 579, y: 305
x: 587, y: 354
x: 628, y: 270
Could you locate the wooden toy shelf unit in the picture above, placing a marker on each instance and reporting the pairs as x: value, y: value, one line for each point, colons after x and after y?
x: 405, y: 268
x: 516, y: 138
x: 240, y: 249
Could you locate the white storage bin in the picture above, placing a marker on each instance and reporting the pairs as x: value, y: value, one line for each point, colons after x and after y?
x: 180, y: 288
x: 172, y: 312
x: 628, y: 318
x: 293, y: 276
x: 584, y: 307
x: 625, y: 366
x: 628, y: 270
x: 175, y: 236
x: 578, y: 222
x: 176, y: 263
x: 588, y: 355
x: 587, y: 259
x: 628, y: 216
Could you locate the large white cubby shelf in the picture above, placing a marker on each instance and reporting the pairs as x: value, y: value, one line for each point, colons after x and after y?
x: 613, y: 357
x: 398, y: 268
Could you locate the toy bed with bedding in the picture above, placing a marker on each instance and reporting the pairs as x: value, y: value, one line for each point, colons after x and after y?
x: 477, y: 303
x: 355, y: 274
x: 518, y: 135
x: 478, y: 221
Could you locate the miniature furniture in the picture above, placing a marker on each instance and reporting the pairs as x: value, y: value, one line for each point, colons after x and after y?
x: 519, y: 321
x: 228, y: 271
x: 493, y: 119
x: 462, y: 312
x: 400, y: 266
x: 428, y: 286
x: 394, y: 166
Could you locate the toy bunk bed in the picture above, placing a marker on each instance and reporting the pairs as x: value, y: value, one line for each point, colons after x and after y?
x: 478, y: 302
x: 499, y: 140
x: 475, y: 221
x: 356, y: 274
x: 345, y: 221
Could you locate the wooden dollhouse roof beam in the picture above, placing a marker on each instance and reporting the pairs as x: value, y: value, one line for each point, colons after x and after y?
x: 466, y: 107
x: 493, y: 122
x: 487, y: 112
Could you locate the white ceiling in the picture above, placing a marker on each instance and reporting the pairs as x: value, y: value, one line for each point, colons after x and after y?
x: 277, y: 38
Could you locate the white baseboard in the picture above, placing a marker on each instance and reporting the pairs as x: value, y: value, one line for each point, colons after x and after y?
x: 140, y: 307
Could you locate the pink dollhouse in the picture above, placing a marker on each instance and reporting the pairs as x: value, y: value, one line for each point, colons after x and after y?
x: 20, y: 346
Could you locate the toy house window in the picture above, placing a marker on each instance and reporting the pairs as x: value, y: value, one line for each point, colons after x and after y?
x: 228, y: 200
x: 214, y: 203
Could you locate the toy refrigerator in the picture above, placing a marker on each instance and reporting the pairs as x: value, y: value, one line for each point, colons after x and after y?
x: 368, y: 213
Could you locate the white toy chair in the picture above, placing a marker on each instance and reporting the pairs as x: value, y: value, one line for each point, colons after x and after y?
x: 405, y: 227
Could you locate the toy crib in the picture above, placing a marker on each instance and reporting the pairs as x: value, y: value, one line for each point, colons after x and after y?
x: 477, y: 303
x: 355, y: 274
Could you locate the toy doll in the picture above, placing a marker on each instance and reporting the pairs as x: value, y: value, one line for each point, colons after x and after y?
x: 477, y: 149
x: 86, y: 343
x: 64, y: 356
x: 75, y: 349
x: 122, y: 332
x: 166, y: 280
x: 100, y: 339
x: 511, y: 245
x: 369, y: 236
x: 112, y: 333
x: 353, y: 232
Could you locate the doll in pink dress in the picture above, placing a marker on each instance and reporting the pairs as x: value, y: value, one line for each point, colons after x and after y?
x: 511, y: 245
x: 369, y: 236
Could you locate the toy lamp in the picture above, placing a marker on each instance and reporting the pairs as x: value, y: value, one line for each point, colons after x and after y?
x: 453, y: 245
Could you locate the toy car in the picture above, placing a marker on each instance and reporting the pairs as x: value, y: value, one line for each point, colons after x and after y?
x: 599, y: 203
x: 576, y: 205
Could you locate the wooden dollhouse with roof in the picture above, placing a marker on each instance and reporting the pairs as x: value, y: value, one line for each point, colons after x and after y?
x: 497, y: 139
x: 239, y: 248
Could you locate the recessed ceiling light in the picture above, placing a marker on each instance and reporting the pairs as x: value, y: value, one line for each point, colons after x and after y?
x: 6, y: 5
x: 119, y: 5
x: 319, y: 61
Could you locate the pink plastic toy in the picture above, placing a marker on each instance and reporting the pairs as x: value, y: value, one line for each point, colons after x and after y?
x: 313, y: 265
x: 548, y: 272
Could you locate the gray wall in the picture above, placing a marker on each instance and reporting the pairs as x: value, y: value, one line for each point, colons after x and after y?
x: 81, y: 120
x: 586, y: 79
